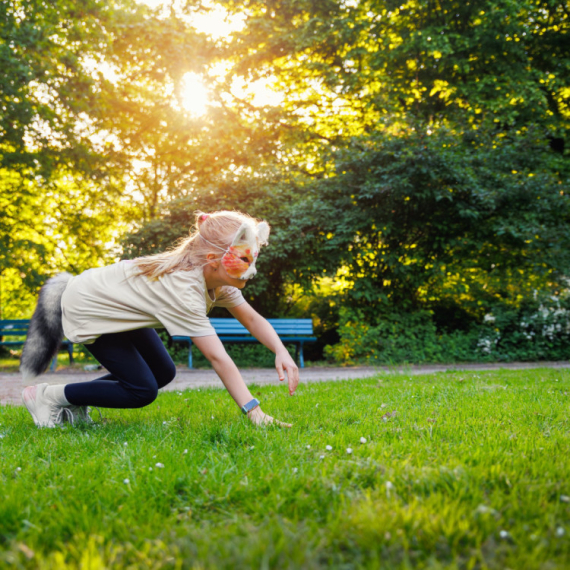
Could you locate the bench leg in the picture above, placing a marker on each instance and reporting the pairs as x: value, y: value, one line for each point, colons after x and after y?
x: 301, y: 359
x: 190, y: 354
x: 53, y: 364
x: 70, y: 352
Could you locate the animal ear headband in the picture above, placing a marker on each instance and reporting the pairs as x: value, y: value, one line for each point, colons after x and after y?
x: 240, y: 257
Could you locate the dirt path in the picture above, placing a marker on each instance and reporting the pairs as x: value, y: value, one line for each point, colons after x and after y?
x: 11, y: 384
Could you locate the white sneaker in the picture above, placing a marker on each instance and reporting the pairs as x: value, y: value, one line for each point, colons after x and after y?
x: 47, y: 404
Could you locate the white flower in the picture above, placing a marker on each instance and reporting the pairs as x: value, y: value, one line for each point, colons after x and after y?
x: 185, y: 452
x: 348, y: 450
x: 560, y: 531
x: 150, y: 468
x: 18, y: 468
x: 328, y: 447
x: 362, y: 440
x: 308, y: 447
x: 295, y: 470
x: 484, y: 509
x: 163, y: 423
x: 565, y: 498
x: 2, y: 436
x: 317, y: 406
x: 212, y: 417
x: 504, y: 534
x: 322, y: 457
x: 125, y: 444
x: 160, y: 465
x: 389, y: 485
x: 126, y: 481
x: 488, y: 318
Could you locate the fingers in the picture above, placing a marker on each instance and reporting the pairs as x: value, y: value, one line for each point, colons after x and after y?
x: 269, y: 420
x: 293, y: 377
x: 279, y: 367
x: 262, y: 419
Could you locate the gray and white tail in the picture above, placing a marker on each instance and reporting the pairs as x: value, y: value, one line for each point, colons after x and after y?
x: 45, y: 332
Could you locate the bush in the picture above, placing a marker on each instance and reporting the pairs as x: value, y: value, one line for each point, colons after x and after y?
x: 398, y: 338
x: 536, y: 330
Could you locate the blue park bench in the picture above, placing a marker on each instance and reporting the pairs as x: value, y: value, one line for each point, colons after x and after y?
x: 297, y: 331
x: 18, y: 329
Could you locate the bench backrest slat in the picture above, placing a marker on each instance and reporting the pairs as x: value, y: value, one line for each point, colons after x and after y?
x: 14, y: 327
x: 281, y: 326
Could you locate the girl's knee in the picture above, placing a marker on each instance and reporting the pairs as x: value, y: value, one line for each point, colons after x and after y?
x: 144, y: 397
x: 167, y: 374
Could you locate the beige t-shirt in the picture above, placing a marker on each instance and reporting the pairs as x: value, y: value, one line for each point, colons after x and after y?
x: 114, y: 299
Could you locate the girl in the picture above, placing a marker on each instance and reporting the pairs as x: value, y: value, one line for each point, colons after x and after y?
x: 112, y: 311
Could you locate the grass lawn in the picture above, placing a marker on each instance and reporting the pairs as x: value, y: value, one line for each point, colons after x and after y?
x: 459, y: 470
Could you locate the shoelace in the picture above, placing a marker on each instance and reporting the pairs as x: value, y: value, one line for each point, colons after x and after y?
x: 75, y: 412
x: 100, y: 414
x: 62, y: 415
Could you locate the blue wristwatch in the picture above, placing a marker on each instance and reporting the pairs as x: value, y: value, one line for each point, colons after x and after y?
x: 246, y: 408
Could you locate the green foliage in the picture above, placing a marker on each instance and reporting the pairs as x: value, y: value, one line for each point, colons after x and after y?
x: 430, y: 223
x: 353, y: 68
x: 416, y: 166
x: 538, y: 329
x: 69, y: 224
x: 427, y: 217
x: 459, y: 470
x: 398, y: 338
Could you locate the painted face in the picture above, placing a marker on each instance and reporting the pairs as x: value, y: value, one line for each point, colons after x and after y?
x: 239, y: 259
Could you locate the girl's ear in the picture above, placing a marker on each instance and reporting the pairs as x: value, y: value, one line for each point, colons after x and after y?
x: 212, y: 261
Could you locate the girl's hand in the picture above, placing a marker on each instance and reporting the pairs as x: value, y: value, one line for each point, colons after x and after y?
x: 284, y: 363
x: 259, y: 418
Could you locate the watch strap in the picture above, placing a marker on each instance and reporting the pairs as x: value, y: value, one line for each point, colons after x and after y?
x: 246, y: 408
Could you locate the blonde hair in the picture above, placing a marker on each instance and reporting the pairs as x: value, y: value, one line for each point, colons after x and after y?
x: 218, y: 228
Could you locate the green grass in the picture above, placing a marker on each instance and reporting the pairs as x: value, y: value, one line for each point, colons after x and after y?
x: 472, y: 471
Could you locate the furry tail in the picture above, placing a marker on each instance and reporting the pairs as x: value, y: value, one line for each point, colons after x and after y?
x: 46, y: 332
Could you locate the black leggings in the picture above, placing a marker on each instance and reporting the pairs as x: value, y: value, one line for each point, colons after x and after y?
x: 138, y: 364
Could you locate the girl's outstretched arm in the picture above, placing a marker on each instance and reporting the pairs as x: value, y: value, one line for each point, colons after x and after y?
x: 265, y: 334
x: 213, y: 349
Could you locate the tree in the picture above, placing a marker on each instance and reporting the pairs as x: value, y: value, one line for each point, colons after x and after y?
x: 352, y: 68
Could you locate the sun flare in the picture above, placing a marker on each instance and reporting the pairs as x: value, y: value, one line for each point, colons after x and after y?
x: 194, y: 95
